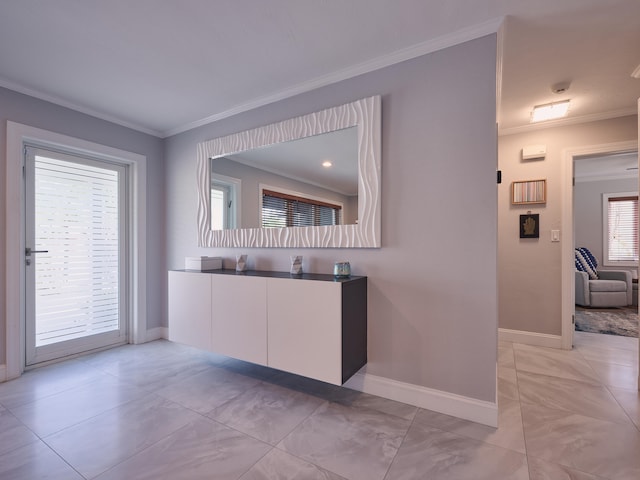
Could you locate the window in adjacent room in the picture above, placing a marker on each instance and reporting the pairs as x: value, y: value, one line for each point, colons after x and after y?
x: 280, y: 209
x: 225, y: 199
x: 620, y: 212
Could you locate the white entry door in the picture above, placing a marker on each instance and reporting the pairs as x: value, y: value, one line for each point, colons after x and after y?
x: 75, y: 256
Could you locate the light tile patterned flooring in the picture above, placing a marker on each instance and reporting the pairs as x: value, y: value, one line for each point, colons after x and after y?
x: 163, y: 411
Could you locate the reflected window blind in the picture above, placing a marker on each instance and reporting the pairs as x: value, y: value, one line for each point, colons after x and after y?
x: 76, y: 214
x: 284, y: 210
x: 622, y: 217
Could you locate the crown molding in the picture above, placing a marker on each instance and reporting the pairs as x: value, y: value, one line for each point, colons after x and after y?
x: 9, y: 85
x: 594, y: 117
x: 424, y: 48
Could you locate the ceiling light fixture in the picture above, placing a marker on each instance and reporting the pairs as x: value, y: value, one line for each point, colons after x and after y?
x: 549, y: 111
x: 327, y: 164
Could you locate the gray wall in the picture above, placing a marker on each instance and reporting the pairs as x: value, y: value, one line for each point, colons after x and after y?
x: 587, y: 213
x: 432, y: 285
x: 529, y: 279
x: 37, y: 113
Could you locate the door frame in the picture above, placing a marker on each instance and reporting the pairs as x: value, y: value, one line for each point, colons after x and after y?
x: 567, y: 221
x: 17, y: 135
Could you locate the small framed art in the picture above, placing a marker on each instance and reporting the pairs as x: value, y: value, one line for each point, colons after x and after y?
x: 530, y: 225
x: 529, y: 191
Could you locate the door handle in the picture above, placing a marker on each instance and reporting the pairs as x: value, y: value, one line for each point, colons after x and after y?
x: 28, y: 251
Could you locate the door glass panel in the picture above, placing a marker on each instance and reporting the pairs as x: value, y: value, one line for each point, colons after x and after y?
x: 76, y: 233
x: 76, y: 221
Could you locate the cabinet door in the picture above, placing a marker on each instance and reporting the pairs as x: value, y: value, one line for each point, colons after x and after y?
x: 305, y: 328
x: 190, y: 309
x: 239, y: 318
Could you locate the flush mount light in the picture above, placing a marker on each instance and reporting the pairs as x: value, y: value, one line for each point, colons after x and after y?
x: 327, y: 164
x: 549, y: 111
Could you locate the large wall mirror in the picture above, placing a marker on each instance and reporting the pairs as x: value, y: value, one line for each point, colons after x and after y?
x: 310, y: 181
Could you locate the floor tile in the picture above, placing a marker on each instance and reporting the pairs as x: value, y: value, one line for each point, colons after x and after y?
x: 614, y: 375
x: 279, y: 465
x: 247, y: 369
x: 574, y: 396
x: 506, y: 356
x: 509, y: 433
x: 629, y: 400
x: 98, y: 444
x: 619, y: 356
x: 358, y: 444
x: 430, y: 453
x: 35, y: 461
x: 343, y: 395
x: 161, y: 372
x: 56, y: 412
x: 137, y: 411
x: 13, y: 433
x: 508, y: 383
x: 266, y: 412
x: 582, y: 443
x: 201, y: 449
x: 543, y: 470
x: 46, y: 381
x: 601, y: 340
x: 553, y: 362
x: 208, y: 389
x: 379, y: 404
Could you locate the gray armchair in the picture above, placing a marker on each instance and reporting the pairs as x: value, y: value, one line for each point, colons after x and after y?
x: 613, y: 288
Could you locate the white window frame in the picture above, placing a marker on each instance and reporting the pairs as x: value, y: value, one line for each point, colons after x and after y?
x: 233, y: 189
x: 605, y: 230
x: 17, y: 135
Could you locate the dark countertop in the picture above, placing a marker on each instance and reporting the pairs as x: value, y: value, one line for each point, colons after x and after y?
x: 325, y: 277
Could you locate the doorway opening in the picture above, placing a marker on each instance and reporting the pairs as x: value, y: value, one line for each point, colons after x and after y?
x: 568, y: 241
x: 19, y: 135
x: 605, y: 218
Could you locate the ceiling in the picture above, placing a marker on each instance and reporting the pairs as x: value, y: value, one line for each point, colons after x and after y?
x: 163, y: 67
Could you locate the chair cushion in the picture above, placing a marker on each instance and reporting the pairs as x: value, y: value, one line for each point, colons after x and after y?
x: 586, y: 262
x: 607, y: 286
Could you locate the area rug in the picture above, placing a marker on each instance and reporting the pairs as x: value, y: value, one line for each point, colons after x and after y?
x: 612, y: 321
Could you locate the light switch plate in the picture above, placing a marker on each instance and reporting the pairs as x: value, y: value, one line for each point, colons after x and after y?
x: 555, y: 235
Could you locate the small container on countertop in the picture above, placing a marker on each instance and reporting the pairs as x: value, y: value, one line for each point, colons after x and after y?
x: 342, y: 270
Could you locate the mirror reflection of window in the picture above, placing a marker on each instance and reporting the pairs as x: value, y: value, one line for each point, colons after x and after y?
x: 219, y: 212
x: 281, y: 209
x: 224, y: 204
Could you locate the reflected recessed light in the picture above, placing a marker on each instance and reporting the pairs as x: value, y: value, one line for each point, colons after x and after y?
x: 327, y: 164
x: 549, y: 111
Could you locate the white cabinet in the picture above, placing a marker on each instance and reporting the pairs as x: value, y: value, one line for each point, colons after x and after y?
x: 239, y: 317
x: 313, y: 325
x: 190, y: 309
x: 305, y: 328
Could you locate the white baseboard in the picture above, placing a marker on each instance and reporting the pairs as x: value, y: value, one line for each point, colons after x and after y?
x: 3, y: 373
x: 530, y: 338
x: 478, y: 411
x: 157, y: 333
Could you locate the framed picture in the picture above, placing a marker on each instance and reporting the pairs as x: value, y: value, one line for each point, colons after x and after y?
x: 530, y: 225
x: 529, y: 191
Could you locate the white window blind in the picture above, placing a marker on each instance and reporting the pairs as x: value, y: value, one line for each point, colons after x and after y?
x: 284, y: 210
x: 622, y: 228
x: 77, y: 281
